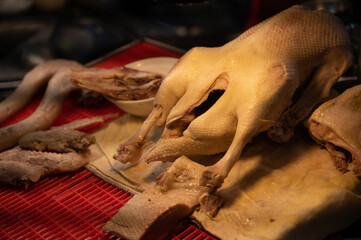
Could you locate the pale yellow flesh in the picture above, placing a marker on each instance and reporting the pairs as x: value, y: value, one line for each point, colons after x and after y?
x: 260, y: 72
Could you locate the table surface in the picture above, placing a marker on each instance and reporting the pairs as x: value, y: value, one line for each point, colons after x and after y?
x: 77, y: 205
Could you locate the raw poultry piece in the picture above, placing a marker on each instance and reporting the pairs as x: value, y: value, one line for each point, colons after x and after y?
x: 31, y: 83
x: 43, y: 153
x: 58, y: 88
x: 23, y: 167
x: 157, y: 215
x: 218, y: 99
x: 19, y: 173
x: 60, y: 141
x: 336, y: 124
x: 120, y: 83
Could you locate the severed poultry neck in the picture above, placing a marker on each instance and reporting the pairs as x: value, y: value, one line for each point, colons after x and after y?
x: 120, y: 83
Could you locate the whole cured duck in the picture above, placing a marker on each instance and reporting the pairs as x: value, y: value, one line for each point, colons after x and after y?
x: 270, y: 78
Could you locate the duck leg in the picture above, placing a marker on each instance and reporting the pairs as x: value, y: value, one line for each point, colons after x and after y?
x: 131, y: 151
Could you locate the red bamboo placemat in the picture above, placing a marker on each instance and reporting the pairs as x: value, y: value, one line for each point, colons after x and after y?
x: 75, y: 205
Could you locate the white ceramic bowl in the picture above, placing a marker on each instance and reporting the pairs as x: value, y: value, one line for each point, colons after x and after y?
x: 143, y: 107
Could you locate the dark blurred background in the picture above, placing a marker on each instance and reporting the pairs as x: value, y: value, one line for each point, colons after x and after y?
x: 33, y: 31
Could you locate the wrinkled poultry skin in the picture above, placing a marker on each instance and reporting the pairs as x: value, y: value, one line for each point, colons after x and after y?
x: 59, y: 141
x: 23, y: 167
x: 43, y: 153
x: 56, y: 73
x: 174, y: 198
x: 32, y: 82
x: 122, y: 83
x: 259, y: 73
x: 336, y: 124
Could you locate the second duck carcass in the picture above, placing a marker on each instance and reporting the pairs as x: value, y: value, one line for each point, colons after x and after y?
x: 336, y: 124
x: 268, y: 79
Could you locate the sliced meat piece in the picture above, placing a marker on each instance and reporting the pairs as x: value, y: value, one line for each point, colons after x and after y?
x: 151, y: 215
x: 18, y: 166
x: 43, y: 153
x: 51, y: 162
x: 155, y: 212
